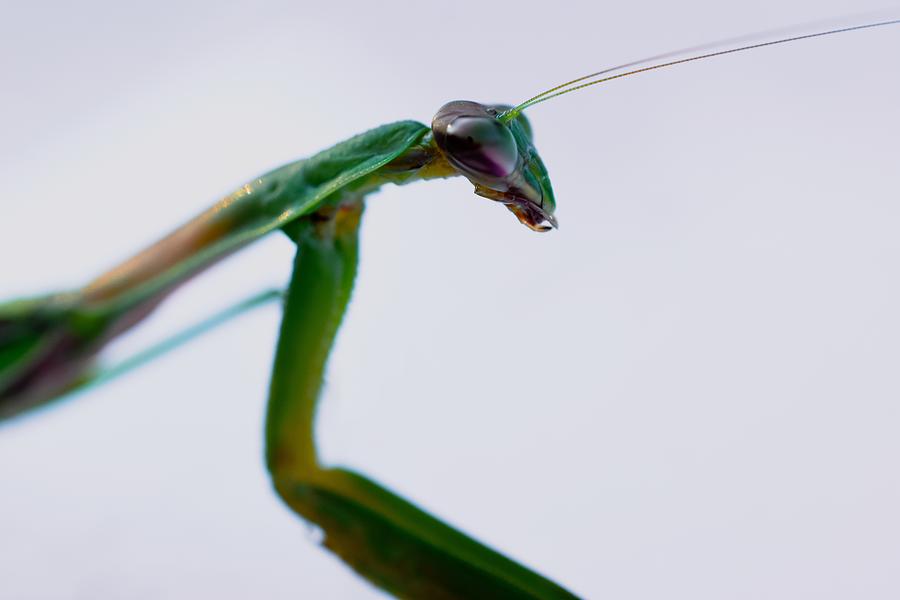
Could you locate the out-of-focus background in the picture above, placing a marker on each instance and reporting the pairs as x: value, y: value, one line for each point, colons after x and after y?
x: 690, y: 390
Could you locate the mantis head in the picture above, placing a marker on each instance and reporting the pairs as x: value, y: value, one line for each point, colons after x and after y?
x: 497, y: 156
x: 491, y: 145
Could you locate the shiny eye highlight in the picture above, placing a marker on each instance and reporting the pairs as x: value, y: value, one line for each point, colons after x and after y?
x: 482, y: 144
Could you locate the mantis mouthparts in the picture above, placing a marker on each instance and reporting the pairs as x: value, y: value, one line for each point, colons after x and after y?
x: 529, y: 214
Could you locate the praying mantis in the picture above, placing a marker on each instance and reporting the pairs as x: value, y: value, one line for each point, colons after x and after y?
x: 49, y: 341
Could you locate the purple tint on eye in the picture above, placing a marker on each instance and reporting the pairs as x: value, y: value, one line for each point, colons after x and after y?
x: 483, y: 144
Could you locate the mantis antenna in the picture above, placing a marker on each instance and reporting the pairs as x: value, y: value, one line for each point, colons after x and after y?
x: 587, y: 80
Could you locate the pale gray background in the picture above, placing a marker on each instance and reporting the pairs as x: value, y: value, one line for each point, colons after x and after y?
x: 689, y: 391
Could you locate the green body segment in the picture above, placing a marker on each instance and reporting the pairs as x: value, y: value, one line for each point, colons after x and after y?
x: 47, y: 345
x: 391, y: 542
x: 255, y: 209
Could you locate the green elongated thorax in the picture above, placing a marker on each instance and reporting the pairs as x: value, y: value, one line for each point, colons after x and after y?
x: 47, y: 344
x: 256, y: 208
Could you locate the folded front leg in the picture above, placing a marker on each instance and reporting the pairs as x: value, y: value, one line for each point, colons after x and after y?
x: 387, y: 540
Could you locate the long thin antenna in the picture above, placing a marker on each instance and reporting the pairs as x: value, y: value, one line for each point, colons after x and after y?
x: 569, y: 86
x: 741, y: 39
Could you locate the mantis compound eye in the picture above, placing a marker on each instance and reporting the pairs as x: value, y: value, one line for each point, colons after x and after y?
x: 474, y: 140
x: 482, y: 144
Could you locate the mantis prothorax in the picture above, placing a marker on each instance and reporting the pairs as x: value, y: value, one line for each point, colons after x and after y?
x: 48, y: 344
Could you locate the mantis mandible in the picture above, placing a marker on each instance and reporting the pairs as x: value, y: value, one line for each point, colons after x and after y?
x: 48, y: 344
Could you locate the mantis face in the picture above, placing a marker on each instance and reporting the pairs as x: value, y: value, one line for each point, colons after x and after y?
x: 497, y: 156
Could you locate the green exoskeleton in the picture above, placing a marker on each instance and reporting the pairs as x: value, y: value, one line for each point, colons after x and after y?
x: 49, y: 344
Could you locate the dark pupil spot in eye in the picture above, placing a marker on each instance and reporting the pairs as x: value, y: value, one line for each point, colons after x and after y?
x: 482, y: 144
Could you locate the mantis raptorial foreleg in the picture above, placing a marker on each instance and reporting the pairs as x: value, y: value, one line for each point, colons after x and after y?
x: 386, y: 539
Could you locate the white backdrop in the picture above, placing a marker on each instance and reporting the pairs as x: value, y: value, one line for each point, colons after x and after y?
x: 688, y: 391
